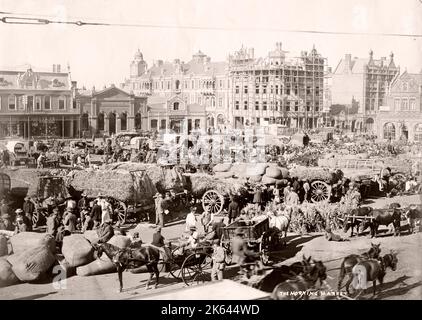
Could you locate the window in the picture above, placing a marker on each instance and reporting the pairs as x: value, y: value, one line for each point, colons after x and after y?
x: 220, y: 102
x: 176, y: 106
x: 245, y: 105
x: 237, y: 105
x: 237, y: 89
x: 288, y: 106
x: 100, y: 121
x: 163, y: 124
x: 418, y: 132
x: 308, y: 90
x: 162, y: 85
x: 177, y: 83
x: 221, y: 84
x: 12, y: 102
x: 256, y: 105
x: 186, y: 84
x: 168, y: 85
x: 47, y: 102
x: 61, y: 103
x: 123, y: 122
x: 245, y: 89
x: 154, y: 123
x: 397, y: 104
x: 412, y: 105
x: 296, y: 106
x: 38, y: 103
x: 256, y: 89
x: 276, y: 89
x: 264, y: 105
x: 288, y: 90
x: 308, y: 106
x: 29, y: 103
x: 389, y: 131
x: 271, y: 89
x: 193, y: 84
x: 404, y: 104
x: 264, y: 89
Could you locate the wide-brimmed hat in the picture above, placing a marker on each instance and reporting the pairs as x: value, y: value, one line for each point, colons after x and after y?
x: 239, y: 231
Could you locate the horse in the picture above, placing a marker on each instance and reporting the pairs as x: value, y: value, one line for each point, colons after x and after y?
x: 294, y: 288
x: 376, y: 269
x: 355, y: 222
x: 351, y: 260
x: 383, y: 217
x: 283, y: 273
x: 132, y: 258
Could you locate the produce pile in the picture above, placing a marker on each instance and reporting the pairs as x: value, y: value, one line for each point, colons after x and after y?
x: 199, y: 183
x: 314, y: 173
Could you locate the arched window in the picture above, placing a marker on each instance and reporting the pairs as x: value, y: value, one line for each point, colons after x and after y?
x: 138, y: 121
x: 418, y: 132
x: 369, y: 124
x: 389, y: 131
x: 177, y: 84
x: 100, y: 122
x: 85, y: 122
x: 176, y: 106
x: 123, y: 122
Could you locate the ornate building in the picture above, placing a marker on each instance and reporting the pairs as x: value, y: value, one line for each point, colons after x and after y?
x: 181, y: 95
x: 35, y: 104
x: 276, y: 89
x: 401, y: 117
x: 366, y: 81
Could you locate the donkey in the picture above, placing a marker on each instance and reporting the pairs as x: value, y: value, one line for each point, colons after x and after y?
x: 376, y: 269
x: 350, y: 261
x: 292, y: 289
x: 129, y: 258
x: 356, y: 222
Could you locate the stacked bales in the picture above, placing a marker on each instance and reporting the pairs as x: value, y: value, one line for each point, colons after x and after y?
x: 311, y: 174
x: 200, y: 183
x: 77, y: 250
x: 7, y: 276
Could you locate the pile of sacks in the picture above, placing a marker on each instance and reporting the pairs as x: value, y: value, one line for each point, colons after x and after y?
x: 265, y: 173
x: 32, y: 256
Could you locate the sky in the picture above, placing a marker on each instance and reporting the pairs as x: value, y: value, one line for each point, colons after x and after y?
x: 100, y: 55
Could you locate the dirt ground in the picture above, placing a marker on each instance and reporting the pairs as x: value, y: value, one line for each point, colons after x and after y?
x: 405, y: 283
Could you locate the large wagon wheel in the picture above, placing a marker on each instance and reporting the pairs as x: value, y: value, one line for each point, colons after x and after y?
x: 175, y: 266
x: 213, y: 202
x: 121, y: 211
x: 196, y: 268
x: 320, y: 191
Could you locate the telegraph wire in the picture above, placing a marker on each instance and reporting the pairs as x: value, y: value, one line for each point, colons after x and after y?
x: 42, y: 21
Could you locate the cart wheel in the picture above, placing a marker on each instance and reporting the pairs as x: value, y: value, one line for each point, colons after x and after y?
x: 320, y: 191
x: 196, y: 268
x: 121, y: 210
x: 213, y: 202
x: 175, y: 269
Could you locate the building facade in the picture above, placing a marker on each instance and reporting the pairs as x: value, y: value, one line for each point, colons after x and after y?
x: 35, y: 104
x: 366, y: 81
x: 276, y: 89
x: 109, y: 111
x: 177, y: 89
x: 401, y: 117
x: 243, y: 92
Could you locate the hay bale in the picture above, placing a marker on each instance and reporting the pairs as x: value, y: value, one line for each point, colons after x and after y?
x: 222, y: 167
x: 99, y: 266
x: 7, y: 276
x: 77, y: 250
x: 4, y: 250
x: 311, y: 173
x: 27, y: 240
x: 32, y: 263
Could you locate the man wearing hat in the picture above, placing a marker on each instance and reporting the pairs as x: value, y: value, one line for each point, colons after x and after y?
x: 28, y: 207
x: 191, y: 219
x: 158, y: 241
x: 70, y: 221
x: 105, y: 232
x: 23, y: 224
x: 53, y: 223
x: 83, y: 206
x: 96, y: 214
x: 218, y: 261
x: 159, y: 210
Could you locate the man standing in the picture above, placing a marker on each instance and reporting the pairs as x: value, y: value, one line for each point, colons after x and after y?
x: 106, y: 210
x: 70, y: 221
x: 217, y: 227
x: 234, y: 209
x: 257, y: 198
x: 6, y: 158
x: 159, y: 210
x: 83, y: 206
x: 292, y: 199
x: 191, y: 219
x: 218, y: 261
x: 96, y: 214
x: 28, y: 208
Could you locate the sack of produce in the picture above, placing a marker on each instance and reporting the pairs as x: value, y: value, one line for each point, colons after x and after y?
x: 223, y: 175
x: 4, y: 251
x: 7, y: 276
x: 120, y: 241
x: 32, y: 263
x: 91, y: 235
x: 268, y: 180
x: 77, y: 250
x: 27, y: 240
x: 255, y: 179
x: 222, y: 167
x: 256, y: 169
x: 277, y: 172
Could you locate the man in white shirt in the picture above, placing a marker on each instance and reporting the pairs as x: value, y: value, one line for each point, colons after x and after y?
x: 191, y: 219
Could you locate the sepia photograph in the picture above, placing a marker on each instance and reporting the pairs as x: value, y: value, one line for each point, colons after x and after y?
x: 217, y: 150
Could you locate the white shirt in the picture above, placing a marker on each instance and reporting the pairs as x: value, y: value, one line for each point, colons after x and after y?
x: 190, y: 220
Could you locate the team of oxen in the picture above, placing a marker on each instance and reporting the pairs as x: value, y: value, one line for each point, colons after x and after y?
x: 363, y: 218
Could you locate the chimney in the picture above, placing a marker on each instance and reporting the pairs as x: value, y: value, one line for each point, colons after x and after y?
x: 54, y: 68
x: 58, y: 68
